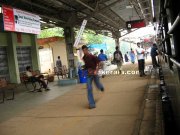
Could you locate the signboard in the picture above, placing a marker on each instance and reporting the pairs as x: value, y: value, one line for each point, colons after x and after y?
x: 20, y: 21
x: 80, y: 33
x: 135, y: 24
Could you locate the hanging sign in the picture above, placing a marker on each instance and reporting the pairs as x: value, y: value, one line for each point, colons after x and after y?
x: 80, y: 33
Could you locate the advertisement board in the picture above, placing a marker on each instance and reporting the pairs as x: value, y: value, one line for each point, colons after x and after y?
x: 20, y: 21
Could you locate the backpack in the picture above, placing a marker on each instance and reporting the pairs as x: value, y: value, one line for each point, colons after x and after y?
x: 117, y: 56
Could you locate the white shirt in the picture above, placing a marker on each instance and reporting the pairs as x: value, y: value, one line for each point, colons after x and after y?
x: 140, y: 55
x: 29, y: 74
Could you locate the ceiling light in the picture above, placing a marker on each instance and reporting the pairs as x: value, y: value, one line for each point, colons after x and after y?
x: 129, y: 6
x: 42, y: 21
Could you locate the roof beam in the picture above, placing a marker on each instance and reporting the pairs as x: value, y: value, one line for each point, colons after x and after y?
x: 39, y: 6
x: 92, y: 9
x: 97, y: 10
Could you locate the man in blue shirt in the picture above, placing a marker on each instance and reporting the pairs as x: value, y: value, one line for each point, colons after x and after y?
x: 154, y: 53
x: 102, y: 58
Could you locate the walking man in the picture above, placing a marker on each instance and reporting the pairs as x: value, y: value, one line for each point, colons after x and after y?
x: 140, y: 56
x: 92, y: 65
x: 118, y: 58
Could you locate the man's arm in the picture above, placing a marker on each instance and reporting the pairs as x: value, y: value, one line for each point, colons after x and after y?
x: 97, y: 64
x: 114, y: 56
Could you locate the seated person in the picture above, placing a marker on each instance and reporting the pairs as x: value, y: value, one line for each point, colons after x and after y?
x: 34, y: 77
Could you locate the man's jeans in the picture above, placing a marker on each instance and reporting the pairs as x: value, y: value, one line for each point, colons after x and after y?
x: 89, y: 88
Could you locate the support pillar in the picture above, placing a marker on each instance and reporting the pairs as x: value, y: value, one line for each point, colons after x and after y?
x: 117, y: 43
x: 35, y: 53
x: 69, y: 39
x: 12, y: 59
x: 116, y: 35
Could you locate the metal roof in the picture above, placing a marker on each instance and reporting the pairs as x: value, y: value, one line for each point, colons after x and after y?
x: 102, y: 15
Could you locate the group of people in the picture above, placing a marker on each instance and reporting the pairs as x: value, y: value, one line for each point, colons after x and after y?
x: 92, y: 64
x: 141, y: 58
x: 132, y: 56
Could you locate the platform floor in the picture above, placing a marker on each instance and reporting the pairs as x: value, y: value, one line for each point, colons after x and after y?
x: 64, y: 110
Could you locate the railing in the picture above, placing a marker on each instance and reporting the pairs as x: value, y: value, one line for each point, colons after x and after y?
x: 175, y: 24
x: 175, y: 62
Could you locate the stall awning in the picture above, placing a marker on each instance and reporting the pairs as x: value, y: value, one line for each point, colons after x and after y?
x: 44, y: 41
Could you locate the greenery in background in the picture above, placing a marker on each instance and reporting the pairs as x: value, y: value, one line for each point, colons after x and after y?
x: 89, y: 36
x: 92, y: 38
x: 51, y: 32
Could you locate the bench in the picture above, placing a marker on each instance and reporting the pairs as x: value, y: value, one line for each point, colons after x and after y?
x: 25, y: 80
x: 5, y: 87
x: 61, y: 72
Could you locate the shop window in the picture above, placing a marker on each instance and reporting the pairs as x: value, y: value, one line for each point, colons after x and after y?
x: 24, y: 58
x: 4, y: 69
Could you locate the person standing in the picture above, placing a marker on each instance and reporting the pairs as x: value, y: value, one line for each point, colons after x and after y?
x: 141, y: 63
x: 154, y: 53
x: 126, y: 57
x: 59, y: 64
x: 92, y: 66
x: 118, y: 58
x: 132, y: 56
x: 102, y: 58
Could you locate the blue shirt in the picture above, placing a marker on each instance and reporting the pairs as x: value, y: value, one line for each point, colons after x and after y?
x: 154, y: 51
x: 102, y: 57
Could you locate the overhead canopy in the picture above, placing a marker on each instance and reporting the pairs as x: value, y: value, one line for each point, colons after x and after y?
x: 102, y: 15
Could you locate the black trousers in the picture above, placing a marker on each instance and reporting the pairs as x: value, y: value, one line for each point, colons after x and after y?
x: 141, y: 65
x: 154, y: 61
x: 39, y: 79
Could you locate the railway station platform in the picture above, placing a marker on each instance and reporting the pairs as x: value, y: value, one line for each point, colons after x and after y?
x: 128, y: 106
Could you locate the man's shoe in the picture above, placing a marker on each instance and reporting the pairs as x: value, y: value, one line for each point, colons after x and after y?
x: 47, y: 89
x: 39, y: 90
x: 102, y: 89
x: 92, y: 107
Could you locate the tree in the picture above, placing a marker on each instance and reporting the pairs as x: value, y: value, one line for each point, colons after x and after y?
x: 51, y: 32
x: 93, y: 39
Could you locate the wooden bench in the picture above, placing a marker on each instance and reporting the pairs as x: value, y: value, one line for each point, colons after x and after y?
x: 25, y: 80
x: 61, y: 72
x: 5, y: 87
